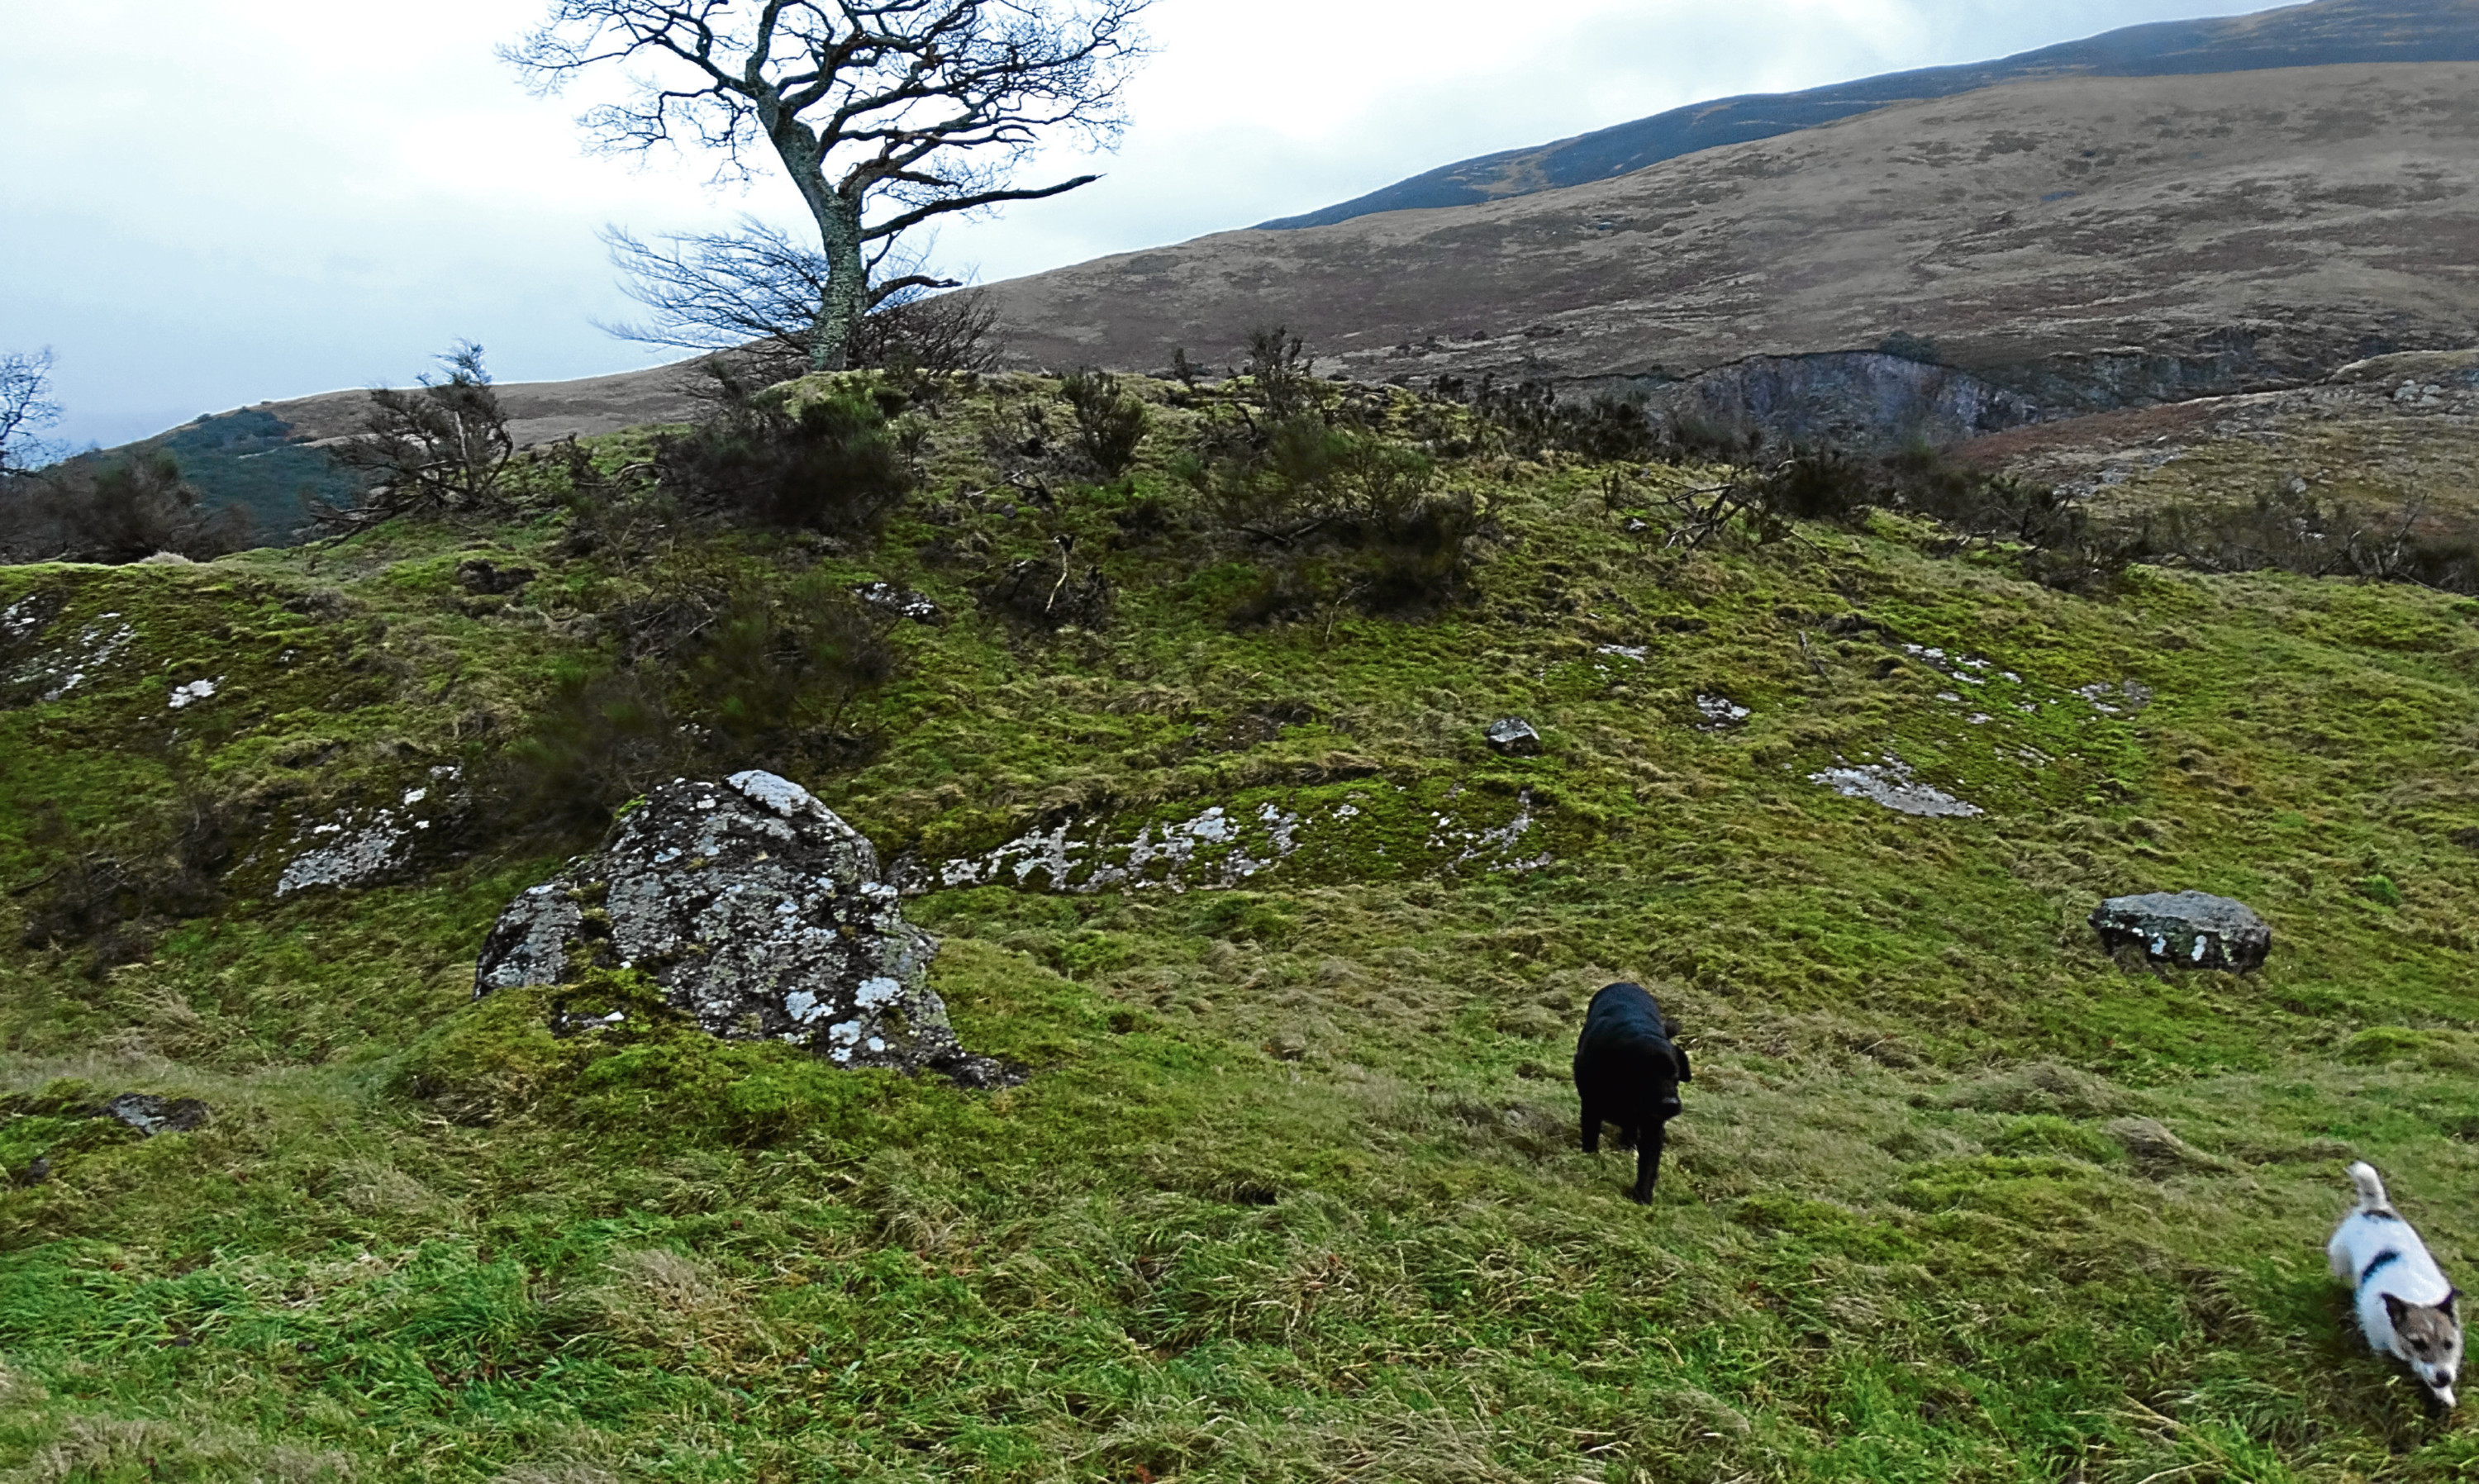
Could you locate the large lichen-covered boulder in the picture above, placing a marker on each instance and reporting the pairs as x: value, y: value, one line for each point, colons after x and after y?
x: 2192, y: 930
x: 759, y: 911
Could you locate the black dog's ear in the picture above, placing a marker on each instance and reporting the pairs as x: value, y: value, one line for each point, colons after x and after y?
x: 2395, y: 1310
x: 1679, y: 1054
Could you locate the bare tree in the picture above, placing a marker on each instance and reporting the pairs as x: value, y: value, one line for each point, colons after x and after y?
x: 885, y: 113
x: 26, y: 407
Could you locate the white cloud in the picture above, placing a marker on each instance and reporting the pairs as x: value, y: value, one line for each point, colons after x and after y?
x: 224, y: 200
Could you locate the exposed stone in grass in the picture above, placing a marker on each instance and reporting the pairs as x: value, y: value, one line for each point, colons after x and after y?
x: 1514, y: 737
x: 1891, y: 783
x: 900, y: 602
x: 151, y: 1116
x: 2190, y: 929
x: 1720, y: 713
x: 1370, y: 830
x: 759, y: 912
x: 191, y: 694
x: 1215, y: 848
x: 364, y: 847
x: 57, y: 674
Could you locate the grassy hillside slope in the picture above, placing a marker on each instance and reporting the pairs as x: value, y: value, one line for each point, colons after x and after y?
x: 1291, y: 1192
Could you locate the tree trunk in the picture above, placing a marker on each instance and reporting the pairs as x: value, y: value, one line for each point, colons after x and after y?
x: 840, y: 309
x: 839, y: 223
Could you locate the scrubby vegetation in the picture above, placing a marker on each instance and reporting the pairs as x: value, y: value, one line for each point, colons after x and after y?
x: 1293, y: 1191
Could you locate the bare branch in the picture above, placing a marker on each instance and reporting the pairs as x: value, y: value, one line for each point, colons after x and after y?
x: 26, y: 408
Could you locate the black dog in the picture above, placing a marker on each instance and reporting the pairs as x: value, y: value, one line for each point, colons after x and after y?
x: 1627, y: 1072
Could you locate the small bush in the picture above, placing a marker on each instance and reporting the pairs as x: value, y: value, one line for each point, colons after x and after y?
x: 1052, y: 595
x: 601, y: 737
x: 1533, y: 418
x: 2286, y: 528
x: 756, y: 674
x: 769, y: 667
x: 837, y: 464
x: 445, y: 447
x: 1110, y: 421
x: 1279, y: 373
x: 1336, y: 513
x: 933, y: 335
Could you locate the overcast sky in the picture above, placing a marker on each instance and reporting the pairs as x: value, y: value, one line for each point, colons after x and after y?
x: 207, y: 203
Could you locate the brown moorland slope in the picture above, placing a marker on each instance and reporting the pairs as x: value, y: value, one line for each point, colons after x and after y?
x: 2322, y: 33
x: 2091, y: 242
x: 538, y: 411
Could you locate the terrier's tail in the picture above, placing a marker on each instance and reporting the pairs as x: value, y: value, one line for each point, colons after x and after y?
x: 2371, y: 1189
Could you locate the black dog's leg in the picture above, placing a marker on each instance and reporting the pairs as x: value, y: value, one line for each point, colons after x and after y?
x: 1592, y: 1129
x: 1647, y: 1158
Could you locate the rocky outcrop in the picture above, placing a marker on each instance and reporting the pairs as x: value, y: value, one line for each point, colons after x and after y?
x: 759, y: 912
x: 2187, y: 929
x: 1859, y: 400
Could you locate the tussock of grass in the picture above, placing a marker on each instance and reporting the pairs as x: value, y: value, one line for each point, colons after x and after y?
x: 1293, y: 1190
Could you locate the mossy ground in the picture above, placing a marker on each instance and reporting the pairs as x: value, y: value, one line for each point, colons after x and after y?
x: 1293, y: 1191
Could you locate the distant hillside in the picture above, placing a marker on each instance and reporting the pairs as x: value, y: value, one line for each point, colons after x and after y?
x: 2321, y: 34
x: 2085, y: 243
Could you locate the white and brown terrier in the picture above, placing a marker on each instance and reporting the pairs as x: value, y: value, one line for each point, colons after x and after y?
x: 2407, y: 1307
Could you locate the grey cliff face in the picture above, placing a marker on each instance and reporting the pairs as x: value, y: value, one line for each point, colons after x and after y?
x: 2187, y: 929
x: 759, y: 911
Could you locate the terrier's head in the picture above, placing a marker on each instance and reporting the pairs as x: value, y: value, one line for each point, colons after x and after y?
x: 2431, y: 1341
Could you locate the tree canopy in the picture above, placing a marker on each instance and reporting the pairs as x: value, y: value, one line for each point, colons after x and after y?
x: 884, y: 113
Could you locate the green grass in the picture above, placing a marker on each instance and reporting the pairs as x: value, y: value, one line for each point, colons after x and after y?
x: 1293, y: 1191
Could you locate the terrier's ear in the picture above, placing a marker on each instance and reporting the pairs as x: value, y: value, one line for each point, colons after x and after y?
x: 2452, y: 1297
x: 2395, y: 1310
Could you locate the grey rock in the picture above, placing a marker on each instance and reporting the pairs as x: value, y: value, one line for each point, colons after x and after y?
x: 759, y: 912
x: 151, y: 1116
x: 1514, y: 737
x: 2187, y: 929
x: 900, y: 602
x: 369, y: 845
x: 1892, y: 784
